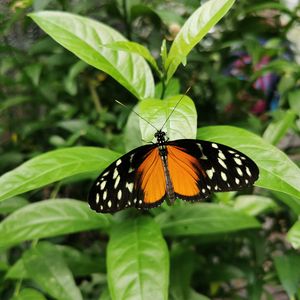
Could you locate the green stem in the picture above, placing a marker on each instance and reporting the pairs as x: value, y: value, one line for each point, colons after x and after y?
x: 126, y: 20
x: 94, y: 95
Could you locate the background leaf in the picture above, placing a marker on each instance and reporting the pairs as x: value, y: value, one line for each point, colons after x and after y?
x: 86, y: 38
x: 49, y: 218
x: 202, y: 219
x: 137, y: 261
x: 29, y: 294
x: 278, y: 129
x: 46, y: 267
x: 293, y: 235
x: 288, y: 270
x: 254, y: 205
x: 53, y: 166
x: 137, y: 48
x: 194, y: 29
x: 277, y: 171
x: 181, y: 124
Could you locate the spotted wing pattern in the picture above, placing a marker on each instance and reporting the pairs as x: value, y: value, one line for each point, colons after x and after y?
x: 134, y: 180
x: 208, y: 167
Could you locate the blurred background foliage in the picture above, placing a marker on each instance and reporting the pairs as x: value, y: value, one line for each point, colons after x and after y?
x: 245, y: 73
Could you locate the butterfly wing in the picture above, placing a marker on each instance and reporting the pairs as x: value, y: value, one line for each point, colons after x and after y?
x: 134, y: 180
x: 198, y: 168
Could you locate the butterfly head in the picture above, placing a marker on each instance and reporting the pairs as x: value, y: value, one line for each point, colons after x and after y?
x: 160, y: 136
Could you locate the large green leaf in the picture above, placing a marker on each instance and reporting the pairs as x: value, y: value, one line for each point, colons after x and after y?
x: 46, y: 267
x: 80, y: 263
x: 49, y: 218
x: 181, y: 124
x: 194, y: 29
x: 288, y: 269
x: 182, y: 267
x: 254, y: 205
x: 133, y: 47
x: 293, y: 235
x: 53, y: 166
x: 29, y: 294
x: 137, y: 261
x: 203, y: 218
x: 86, y: 38
x: 277, y: 171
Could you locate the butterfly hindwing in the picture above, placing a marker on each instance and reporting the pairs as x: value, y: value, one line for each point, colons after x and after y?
x: 129, y: 182
x: 215, y: 167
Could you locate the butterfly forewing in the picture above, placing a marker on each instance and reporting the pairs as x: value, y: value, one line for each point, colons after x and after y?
x: 129, y: 182
x: 216, y: 167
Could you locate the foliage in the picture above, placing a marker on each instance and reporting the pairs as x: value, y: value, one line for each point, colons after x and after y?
x: 58, y: 118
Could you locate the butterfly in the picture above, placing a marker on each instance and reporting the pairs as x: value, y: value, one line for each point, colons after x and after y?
x: 186, y: 169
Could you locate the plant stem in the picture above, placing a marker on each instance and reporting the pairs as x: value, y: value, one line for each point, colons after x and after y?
x: 126, y: 20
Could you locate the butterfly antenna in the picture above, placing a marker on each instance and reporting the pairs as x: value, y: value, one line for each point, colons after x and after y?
x: 136, y: 114
x: 175, y: 107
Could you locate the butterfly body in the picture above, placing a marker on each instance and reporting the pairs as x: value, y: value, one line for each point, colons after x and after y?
x: 187, y: 169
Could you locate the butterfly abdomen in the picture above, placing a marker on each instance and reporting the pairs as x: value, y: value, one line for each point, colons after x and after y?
x: 163, y: 152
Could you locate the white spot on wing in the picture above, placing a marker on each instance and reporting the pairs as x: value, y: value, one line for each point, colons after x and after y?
x: 116, y: 173
x: 98, y: 183
x: 237, y: 181
x: 129, y: 186
x: 105, y: 174
x: 223, y: 175
x: 118, y: 162
x: 97, y: 198
x: 117, y: 181
x: 221, y: 162
x: 238, y: 161
x: 119, y: 194
x: 221, y: 155
x: 214, y: 145
x: 210, y: 173
x: 248, y: 171
x: 239, y: 171
x: 109, y: 203
x: 104, y: 195
x: 102, y: 185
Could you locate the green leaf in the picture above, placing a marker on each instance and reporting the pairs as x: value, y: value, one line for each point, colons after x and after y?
x: 79, y: 263
x: 181, y: 124
x: 293, y: 235
x: 86, y: 38
x: 46, y: 267
x: 10, y: 102
x: 137, y: 261
x: 70, y: 81
x: 293, y: 97
x: 203, y: 218
x: 12, y: 204
x: 194, y: 29
x: 53, y: 166
x: 29, y: 294
x: 49, y: 218
x: 254, y: 205
x: 137, y: 48
x: 182, y: 267
x: 171, y: 89
x: 277, y: 171
x: 278, y: 129
x: 288, y: 200
x: 288, y: 270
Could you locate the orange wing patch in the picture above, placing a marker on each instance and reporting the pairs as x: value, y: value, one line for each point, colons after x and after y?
x: 184, y: 171
x: 151, y: 177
